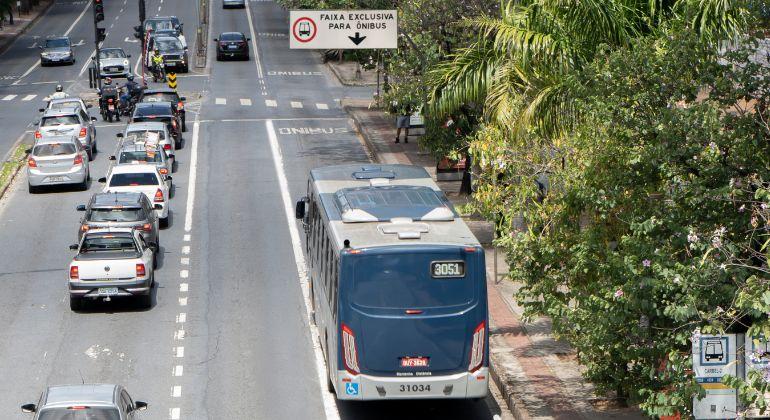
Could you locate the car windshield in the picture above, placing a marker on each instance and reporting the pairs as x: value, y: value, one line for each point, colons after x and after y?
x: 54, y: 149
x: 117, y: 215
x: 112, y: 54
x: 133, y: 180
x: 139, y: 156
x: 231, y: 37
x: 100, y: 242
x: 80, y: 413
x: 64, y: 104
x: 57, y: 43
x: 135, y: 136
x: 59, y: 120
x: 168, y: 44
x: 159, y: 25
x: 160, y: 97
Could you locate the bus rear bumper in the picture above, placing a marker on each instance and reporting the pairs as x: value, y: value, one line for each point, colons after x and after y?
x: 463, y: 385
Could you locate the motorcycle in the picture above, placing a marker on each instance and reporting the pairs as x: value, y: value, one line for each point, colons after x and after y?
x: 158, y: 74
x: 110, y: 108
x: 127, y: 108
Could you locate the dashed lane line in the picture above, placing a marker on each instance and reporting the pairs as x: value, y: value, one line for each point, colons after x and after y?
x: 296, y: 105
x: 9, y: 97
x: 322, y: 106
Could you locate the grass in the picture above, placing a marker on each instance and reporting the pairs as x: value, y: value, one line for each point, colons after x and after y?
x: 11, y: 166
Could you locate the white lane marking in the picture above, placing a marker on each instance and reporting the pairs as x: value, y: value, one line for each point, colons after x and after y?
x: 182, y: 301
x: 322, y: 106
x: 179, y: 352
x: 184, y: 287
x: 186, y: 248
x: 220, y: 101
x: 187, y: 238
x: 174, y: 413
x: 176, y: 391
x: 178, y: 370
x: 254, y: 46
x: 184, y: 274
x: 241, y: 120
x: 87, y: 63
x: 185, y: 261
x: 136, y: 66
x: 159, y: 8
x: 181, y: 318
x: 188, y: 217
x: 28, y: 98
x: 296, y: 104
x: 245, y: 102
x: 121, y: 10
x: 37, y: 63
x: 9, y: 97
x: 330, y: 407
x: 179, y: 335
x: 271, y: 103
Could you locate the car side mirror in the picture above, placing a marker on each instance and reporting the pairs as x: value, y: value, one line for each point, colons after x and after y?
x: 299, y: 211
x: 158, y: 207
x: 41, y: 110
x: 168, y: 177
x: 182, y: 98
x: 89, y: 105
x: 36, y: 123
x: 111, y: 158
x: 40, y: 47
x: 102, y: 180
x: 119, y: 135
x: 128, y: 55
x: 93, y: 119
x: 140, y: 405
x: 248, y: 39
x: 74, y: 247
x: 80, y: 207
x: 28, y: 151
x: 28, y: 408
x: 216, y: 39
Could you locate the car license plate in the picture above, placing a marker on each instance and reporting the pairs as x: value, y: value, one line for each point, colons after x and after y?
x: 232, y: 47
x: 414, y: 388
x: 111, y: 107
x: 56, y: 178
x: 414, y: 362
x: 56, y: 59
x: 108, y: 291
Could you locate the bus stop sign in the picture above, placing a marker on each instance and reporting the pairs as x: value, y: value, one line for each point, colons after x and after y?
x: 343, y: 29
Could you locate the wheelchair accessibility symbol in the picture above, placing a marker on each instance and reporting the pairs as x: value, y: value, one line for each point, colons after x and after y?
x: 351, y: 388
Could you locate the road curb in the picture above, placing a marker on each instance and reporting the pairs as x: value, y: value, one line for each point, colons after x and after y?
x: 371, y: 148
x: 4, y: 48
x: 19, y: 165
x: 344, y: 81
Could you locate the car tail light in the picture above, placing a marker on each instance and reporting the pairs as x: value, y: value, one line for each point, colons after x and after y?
x: 166, y: 147
x: 83, y: 132
x: 349, y: 346
x: 74, y: 273
x: 158, y: 196
x: 84, y: 228
x: 78, y: 160
x: 109, y: 101
x: 140, y: 271
x: 37, y: 134
x: 31, y: 163
x: 146, y: 227
x: 163, y: 171
x: 477, y: 350
x: 173, y: 124
x: 180, y: 105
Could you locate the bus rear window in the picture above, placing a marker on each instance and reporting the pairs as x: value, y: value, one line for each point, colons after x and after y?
x: 404, y: 281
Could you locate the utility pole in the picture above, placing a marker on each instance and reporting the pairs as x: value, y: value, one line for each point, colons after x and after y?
x: 142, y: 12
x: 99, y: 35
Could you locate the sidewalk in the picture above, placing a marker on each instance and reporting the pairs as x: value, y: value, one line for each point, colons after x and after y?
x: 537, y: 375
x: 9, y: 33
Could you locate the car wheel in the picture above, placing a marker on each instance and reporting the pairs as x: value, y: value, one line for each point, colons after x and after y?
x: 177, y: 144
x: 154, y: 261
x: 164, y: 222
x: 219, y: 57
x: 94, y: 150
x: 33, y: 189
x: 109, y: 117
x: 90, y: 154
x: 76, y: 304
x: 145, y: 301
x: 83, y: 186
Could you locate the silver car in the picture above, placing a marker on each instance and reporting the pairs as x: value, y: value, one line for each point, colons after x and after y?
x: 69, y: 121
x: 57, y: 160
x: 133, y: 152
x: 87, y: 401
x: 138, y: 131
x: 113, y: 62
x: 64, y: 103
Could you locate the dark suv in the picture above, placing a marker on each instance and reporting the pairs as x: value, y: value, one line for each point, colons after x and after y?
x: 161, y: 112
x: 57, y: 50
x: 166, y: 95
x: 120, y: 209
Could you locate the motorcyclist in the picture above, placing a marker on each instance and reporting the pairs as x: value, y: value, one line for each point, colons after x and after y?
x: 59, y: 94
x: 157, y: 62
x: 108, y: 91
x: 132, y: 89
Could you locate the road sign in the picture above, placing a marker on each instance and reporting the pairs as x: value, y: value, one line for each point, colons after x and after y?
x: 713, y: 356
x: 343, y: 29
x: 171, y: 79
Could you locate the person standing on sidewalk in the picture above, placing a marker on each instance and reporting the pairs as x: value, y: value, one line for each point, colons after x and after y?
x: 403, y: 113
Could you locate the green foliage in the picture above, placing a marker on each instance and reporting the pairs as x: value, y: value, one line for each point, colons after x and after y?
x: 650, y: 217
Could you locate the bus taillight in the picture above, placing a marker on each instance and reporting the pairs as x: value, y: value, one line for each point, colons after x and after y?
x: 477, y: 351
x: 349, y: 346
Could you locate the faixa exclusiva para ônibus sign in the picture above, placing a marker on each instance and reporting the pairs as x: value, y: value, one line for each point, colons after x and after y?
x: 359, y: 21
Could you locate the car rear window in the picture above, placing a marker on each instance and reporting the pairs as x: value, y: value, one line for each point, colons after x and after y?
x: 139, y: 156
x: 118, y: 242
x: 160, y: 97
x: 131, y: 180
x: 139, y: 135
x: 54, y: 149
x: 64, y: 104
x: 231, y: 37
x: 157, y: 110
x: 59, y: 120
x: 117, y: 215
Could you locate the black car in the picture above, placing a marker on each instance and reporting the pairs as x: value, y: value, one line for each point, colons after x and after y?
x: 57, y: 50
x: 167, y: 95
x: 120, y: 209
x: 162, y: 112
x: 174, y: 53
x: 232, y: 45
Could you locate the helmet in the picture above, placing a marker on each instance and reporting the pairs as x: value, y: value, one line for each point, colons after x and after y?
x: 107, y: 80
x: 130, y: 78
x: 157, y: 50
x: 59, y: 88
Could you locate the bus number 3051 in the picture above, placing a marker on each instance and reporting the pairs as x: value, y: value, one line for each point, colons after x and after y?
x: 414, y: 388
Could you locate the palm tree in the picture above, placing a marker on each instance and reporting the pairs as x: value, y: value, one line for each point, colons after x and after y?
x: 530, y: 54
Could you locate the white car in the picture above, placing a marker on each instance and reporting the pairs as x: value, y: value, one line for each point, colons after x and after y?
x: 113, y: 62
x: 63, y: 103
x: 112, y: 262
x: 143, y: 178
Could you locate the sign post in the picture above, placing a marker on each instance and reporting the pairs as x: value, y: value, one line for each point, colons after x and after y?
x: 714, y: 356
x: 343, y: 29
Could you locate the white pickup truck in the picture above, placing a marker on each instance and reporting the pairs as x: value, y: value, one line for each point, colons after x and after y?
x: 113, y: 262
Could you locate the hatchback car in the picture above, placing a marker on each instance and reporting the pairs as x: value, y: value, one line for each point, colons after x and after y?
x: 143, y: 178
x: 227, y: 4
x: 159, y: 112
x: 167, y: 95
x: 68, y: 102
x: 173, y: 50
x: 139, y: 130
x: 120, y: 209
x: 134, y: 152
x: 87, y: 401
x: 69, y: 121
x: 57, y: 160
x: 232, y: 45
x: 113, y: 62
x: 57, y: 50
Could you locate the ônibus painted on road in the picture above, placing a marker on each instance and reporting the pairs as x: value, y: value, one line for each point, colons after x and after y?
x: 398, y: 285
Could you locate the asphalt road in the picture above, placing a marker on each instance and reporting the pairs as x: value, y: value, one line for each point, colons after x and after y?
x: 228, y: 334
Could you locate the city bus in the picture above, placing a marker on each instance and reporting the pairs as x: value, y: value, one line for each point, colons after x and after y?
x: 397, y: 283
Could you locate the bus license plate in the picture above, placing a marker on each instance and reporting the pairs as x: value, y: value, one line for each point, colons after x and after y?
x: 108, y: 291
x: 414, y: 362
x: 414, y: 388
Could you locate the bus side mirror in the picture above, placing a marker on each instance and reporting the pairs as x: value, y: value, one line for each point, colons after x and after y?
x: 299, y: 211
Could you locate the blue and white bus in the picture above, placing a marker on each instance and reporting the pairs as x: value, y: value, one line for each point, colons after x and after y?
x: 398, y: 285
